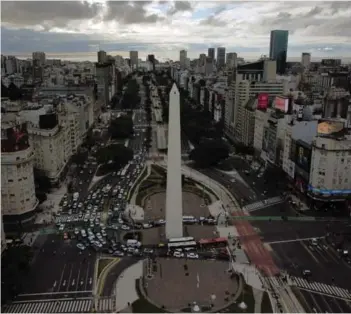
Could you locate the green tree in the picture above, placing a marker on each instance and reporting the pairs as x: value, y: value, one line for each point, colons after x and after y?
x: 15, y: 264
x: 121, y: 127
x: 41, y: 180
x: 209, y: 153
x: 116, y: 154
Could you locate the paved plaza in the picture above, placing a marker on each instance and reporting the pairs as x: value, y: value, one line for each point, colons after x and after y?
x: 206, y: 282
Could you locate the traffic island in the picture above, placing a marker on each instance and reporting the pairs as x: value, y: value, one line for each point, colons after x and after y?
x: 102, y: 263
x: 106, y: 265
x: 266, y: 305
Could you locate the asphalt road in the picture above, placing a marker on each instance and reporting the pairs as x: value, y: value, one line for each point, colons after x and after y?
x: 319, y: 303
x: 323, y: 261
x: 115, y: 272
x: 59, y: 268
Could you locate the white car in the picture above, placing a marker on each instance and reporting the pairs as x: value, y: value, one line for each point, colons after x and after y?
x: 76, y: 231
x: 178, y: 254
x: 148, y: 251
x: 192, y: 255
x: 125, y: 227
x: 118, y: 253
x: 81, y: 246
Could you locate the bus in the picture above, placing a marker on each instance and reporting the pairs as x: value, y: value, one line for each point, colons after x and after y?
x: 215, y: 242
x: 124, y: 171
x: 189, y: 219
x: 184, y: 239
x: 180, y: 245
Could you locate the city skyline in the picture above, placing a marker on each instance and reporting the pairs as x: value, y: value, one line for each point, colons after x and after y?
x: 79, y: 30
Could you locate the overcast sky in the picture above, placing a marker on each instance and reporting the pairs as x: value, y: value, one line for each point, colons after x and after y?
x: 165, y: 27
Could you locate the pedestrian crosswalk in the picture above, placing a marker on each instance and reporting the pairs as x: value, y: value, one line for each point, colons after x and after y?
x: 262, y: 204
x: 57, y: 306
x: 64, y: 218
x: 320, y: 287
x: 107, y: 304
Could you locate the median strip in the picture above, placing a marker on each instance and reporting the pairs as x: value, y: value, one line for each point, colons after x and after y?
x: 102, y: 277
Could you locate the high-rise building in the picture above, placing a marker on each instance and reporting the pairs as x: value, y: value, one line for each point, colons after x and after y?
x: 38, y: 58
x: 211, y: 53
x: 306, y: 60
x: 151, y: 59
x: 102, y: 56
x: 133, y: 56
x: 279, y: 48
x: 231, y: 60
x: 220, y: 57
x: 182, y: 59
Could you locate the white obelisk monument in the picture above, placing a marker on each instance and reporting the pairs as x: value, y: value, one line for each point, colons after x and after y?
x: 174, y: 202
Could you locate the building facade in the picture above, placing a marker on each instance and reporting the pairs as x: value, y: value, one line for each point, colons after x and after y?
x: 18, y: 200
x: 279, y: 48
x: 220, y: 57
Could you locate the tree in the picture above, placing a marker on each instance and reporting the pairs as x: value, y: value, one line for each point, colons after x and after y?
x: 116, y: 154
x: 209, y: 153
x: 15, y: 263
x: 131, y: 97
x: 80, y: 157
x: 4, y: 91
x: 121, y: 127
x: 41, y: 180
x: 14, y: 92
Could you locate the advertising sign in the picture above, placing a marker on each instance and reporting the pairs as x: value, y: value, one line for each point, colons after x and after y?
x: 329, y: 127
x: 281, y: 103
x: 303, y: 157
x: 262, y: 101
x: 15, y: 138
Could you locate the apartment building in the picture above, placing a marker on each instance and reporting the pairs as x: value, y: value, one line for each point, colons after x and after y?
x: 331, y: 167
x: 241, y: 91
x: 18, y: 200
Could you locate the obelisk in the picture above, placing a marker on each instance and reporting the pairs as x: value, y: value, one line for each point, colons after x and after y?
x: 174, y: 203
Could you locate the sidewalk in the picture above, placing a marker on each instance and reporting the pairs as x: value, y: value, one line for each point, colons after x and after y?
x: 51, y: 205
x: 301, y: 205
x: 125, y: 286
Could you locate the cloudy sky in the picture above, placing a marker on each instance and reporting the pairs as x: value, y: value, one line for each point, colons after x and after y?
x: 79, y: 29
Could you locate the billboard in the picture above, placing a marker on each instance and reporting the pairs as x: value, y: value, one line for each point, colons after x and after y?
x: 329, y: 127
x: 281, y: 103
x: 262, y: 101
x: 303, y: 157
x: 14, y: 138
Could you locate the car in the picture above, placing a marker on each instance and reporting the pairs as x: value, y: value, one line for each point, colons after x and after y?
x: 81, y: 246
x: 76, y: 231
x: 178, y: 254
x: 306, y: 273
x: 118, y: 253
x: 314, y: 242
x: 65, y: 236
x: 192, y: 255
x: 125, y: 227
x: 148, y: 251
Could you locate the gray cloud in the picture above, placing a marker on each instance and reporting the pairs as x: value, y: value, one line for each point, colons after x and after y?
x: 130, y: 12
x: 180, y: 6
x: 46, y: 13
x: 213, y: 21
x: 321, y: 20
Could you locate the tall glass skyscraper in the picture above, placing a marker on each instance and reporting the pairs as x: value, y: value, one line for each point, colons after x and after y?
x: 279, y: 48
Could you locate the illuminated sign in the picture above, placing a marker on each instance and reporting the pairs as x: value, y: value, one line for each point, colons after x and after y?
x: 328, y: 127
x: 328, y: 192
x: 15, y: 138
x: 281, y: 103
x: 303, y: 157
x: 262, y: 101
